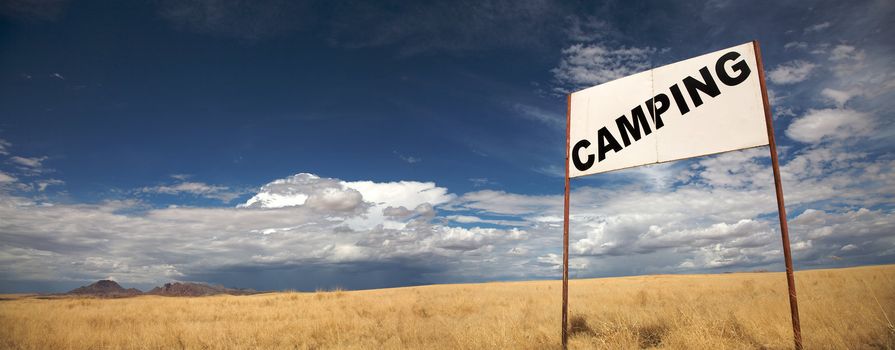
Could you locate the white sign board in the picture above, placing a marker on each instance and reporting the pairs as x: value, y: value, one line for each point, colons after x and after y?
x: 704, y: 105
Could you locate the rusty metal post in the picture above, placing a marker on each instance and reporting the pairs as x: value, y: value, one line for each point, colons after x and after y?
x: 781, y: 208
x: 565, y: 235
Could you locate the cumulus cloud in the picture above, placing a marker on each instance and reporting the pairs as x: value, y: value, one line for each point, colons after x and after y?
x: 830, y: 124
x: 337, y: 222
x: 858, y: 235
x: 288, y: 192
x: 720, y: 218
x: 458, y: 238
x: 791, y: 72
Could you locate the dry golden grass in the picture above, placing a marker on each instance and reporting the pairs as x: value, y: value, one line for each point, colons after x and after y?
x: 841, y: 309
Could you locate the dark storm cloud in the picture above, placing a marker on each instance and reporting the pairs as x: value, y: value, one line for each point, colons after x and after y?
x: 321, y: 276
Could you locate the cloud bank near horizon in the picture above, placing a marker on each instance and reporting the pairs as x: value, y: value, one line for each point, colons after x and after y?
x: 717, y: 215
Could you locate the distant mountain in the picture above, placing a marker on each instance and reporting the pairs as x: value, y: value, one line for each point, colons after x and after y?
x: 105, y: 288
x: 111, y: 289
x: 191, y: 289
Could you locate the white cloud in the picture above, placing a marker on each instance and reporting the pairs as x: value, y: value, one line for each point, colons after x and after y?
x: 408, y: 194
x: 796, y: 45
x: 408, y: 159
x: 481, y: 182
x: 419, y: 196
x: 848, y: 247
x: 583, y: 65
x: 458, y: 238
x: 503, y: 203
x: 551, y: 170
x: 43, y: 184
x: 539, y: 115
x: 383, y: 199
x: 307, y: 190
x: 586, y: 29
x: 6, y: 178
x: 335, y: 200
x: 791, y: 72
x: 554, y: 261
x: 200, y: 189
x: 733, y: 169
x: 830, y: 124
x: 284, y: 192
x: 469, y: 219
x: 855, y: 234
x: 4, y: 147
x: 721, y: 218
x: 773, y: 97
x: 81, y: 241
x: 857, y: 72
x: 839, y: 97
x: 817, y: 27
x: 846, y: 52
x: 33, y: 162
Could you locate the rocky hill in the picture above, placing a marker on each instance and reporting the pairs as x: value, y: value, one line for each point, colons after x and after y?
x: 191, y: 289
x: 111, y: 289
x: 105, y: 288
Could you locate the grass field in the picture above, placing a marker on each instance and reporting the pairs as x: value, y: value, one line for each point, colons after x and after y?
x: 840, y: 309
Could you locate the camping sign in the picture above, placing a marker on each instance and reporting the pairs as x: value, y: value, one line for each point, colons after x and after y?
x: 713, y: 103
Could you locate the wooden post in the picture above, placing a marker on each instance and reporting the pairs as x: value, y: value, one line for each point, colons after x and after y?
x: 565, y: 235
x: 781, y: 208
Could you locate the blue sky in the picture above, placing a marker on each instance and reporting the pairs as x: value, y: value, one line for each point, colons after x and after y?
x: 276, y: 144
